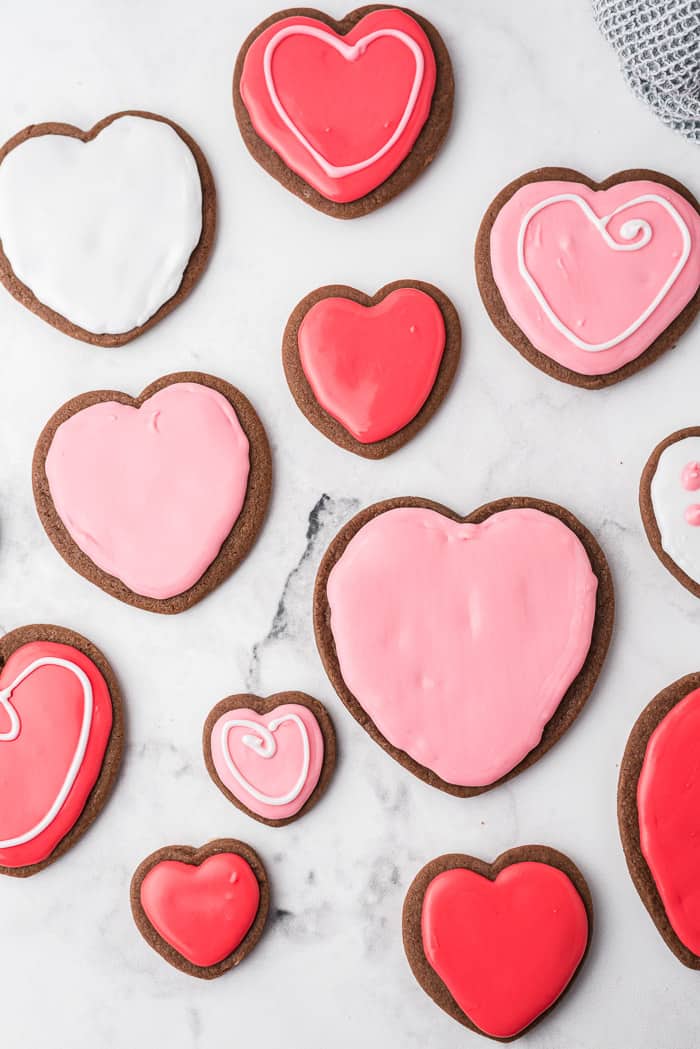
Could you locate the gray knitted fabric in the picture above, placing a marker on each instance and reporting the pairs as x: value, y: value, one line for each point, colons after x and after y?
x: 658, y: 43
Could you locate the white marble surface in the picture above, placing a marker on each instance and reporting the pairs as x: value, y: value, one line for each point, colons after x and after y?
x: 536, y: 85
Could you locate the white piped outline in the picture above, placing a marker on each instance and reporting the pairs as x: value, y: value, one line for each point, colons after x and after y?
x: 632, y: 228
x: 264, y: 745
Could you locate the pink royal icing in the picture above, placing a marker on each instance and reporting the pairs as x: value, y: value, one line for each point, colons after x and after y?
x: 690, y: 478
x: 592, y: 278
x: 460, y: 640
x: 151, y: 493
x: 270, y: 762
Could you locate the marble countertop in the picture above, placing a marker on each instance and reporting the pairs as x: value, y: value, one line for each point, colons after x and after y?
x: 536, y: 86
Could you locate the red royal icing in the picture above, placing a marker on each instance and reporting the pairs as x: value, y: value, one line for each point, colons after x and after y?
x: 327, y: 103
x: 372, y: 368
x: 48, y: 709
x: 505, y: 949
x: 668, y: 804
x: 203, y: 911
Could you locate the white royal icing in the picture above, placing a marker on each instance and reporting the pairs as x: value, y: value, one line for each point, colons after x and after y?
x: 263, y: 743
x: 81, y: 746
x: 628, y: 231
x: 670, y: 500
x: 102, y: 231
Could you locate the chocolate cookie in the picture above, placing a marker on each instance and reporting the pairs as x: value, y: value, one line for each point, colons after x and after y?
x: 369, y: 371
x: 345, y: 114
x: 464, y: 646
x: 203, y: 910
x: 104, y: 231
x: 156, y: 506
x: 496, y: 945
x: 590, y: 281
x: 272, y: 758
x: 61, y: 738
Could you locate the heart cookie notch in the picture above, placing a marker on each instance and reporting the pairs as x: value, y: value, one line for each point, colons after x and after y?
x: 272, y: 758
x: 425, y: 659
x: 203, y: 910
x: 590, y: 281
x: 370, y: 371
x: 61, y: 738
x: 345, y: 114
x: 497, y: 944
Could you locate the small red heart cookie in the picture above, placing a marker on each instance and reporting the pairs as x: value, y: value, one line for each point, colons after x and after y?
x: 658, y: 806
x: 273, y: 758
x: 61, y: 735
x: 496, y: 945
x: 156, y: 499
x: 344, y: 113
x: 369, y: 371
x: 591, y: 281
x: 203, y: 910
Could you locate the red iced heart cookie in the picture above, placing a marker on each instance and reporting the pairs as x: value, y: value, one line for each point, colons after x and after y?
x: 333, y: 109
x: 496, y: 945
x: 60, y: 742
x: 202, y: 909
x: 369, y: 371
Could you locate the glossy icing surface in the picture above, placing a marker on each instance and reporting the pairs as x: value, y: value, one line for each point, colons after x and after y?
x: 674, y: 502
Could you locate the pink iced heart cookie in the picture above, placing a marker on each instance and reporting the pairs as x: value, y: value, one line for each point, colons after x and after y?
x: 156, y: 498
x: 335, y: 110
x: 590, y: 281
x: 273, y: 758
x: 464, y: 646
x: 60, y: 743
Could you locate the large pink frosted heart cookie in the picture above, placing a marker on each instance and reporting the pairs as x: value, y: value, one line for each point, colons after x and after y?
x: 344, y: 113
x: 591, y: 281
x: 465, y: 646
x: 273, y: 758
x: 155, y: 498
x: 60, y: 743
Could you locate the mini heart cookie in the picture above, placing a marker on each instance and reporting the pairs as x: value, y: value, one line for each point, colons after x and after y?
x: 273, y: 758
x: 425, y: 658
x: 61, y: 736
x: 591, y: 281
x: 346, y: 113
x: 156, y: 499
x: 203, y: 910
x: 104, y: 231
x: 670, y: 505
x: 370, y: 371
x: 497, y: 944
x: 658, y: 807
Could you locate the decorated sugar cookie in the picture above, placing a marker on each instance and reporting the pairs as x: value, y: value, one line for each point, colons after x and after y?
x: 369, y: 371
x: 203, y: 910
x: 104, y: 231
x: 273, y: 758
x: 157, y: 498
x: 497, y: 944
x: 61, y: 734
x: 346, y: 113
x: 669, y: 499
x: 658, y: 804
x: 424, y: 620
x: 591, y: 281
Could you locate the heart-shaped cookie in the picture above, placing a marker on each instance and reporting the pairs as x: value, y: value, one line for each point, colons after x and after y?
x: 156, y: 498
x: 61, y: 735
x: 273, y: 758
x: 658, y: 805
x: 465, y: 646
x: 496, y: 944
x: 591, y: 281
x: 104, y: 231
x: 344, y: 113
x: 370, y: 371
x: 203, y: 910
x: 669, y: 500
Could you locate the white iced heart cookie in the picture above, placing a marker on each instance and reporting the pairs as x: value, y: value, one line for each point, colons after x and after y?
x: 104, y: 231
x: 669, y: 497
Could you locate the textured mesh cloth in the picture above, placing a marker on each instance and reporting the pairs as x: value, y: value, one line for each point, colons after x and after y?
x: 658, y: 43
